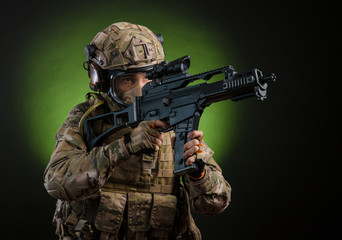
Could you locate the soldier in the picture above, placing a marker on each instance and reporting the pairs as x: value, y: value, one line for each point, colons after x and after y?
x: 116, y: 191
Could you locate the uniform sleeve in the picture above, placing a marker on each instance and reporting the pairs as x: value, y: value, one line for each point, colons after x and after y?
x: 73, y: 173
x: 211, y: 194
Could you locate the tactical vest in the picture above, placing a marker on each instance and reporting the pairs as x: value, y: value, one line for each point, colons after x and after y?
x: 144, y: 187
x: 139, y: 200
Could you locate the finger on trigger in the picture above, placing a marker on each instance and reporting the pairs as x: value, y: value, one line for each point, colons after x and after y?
x: 161, y: 124
x: 152, y: 124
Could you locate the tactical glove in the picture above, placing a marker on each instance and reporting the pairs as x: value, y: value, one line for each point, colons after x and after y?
x: 143, y: 137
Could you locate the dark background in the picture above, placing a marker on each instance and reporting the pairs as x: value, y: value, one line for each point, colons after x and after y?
x: 286, y: 166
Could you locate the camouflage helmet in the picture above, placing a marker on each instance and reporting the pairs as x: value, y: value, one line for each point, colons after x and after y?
x: 123, y: 46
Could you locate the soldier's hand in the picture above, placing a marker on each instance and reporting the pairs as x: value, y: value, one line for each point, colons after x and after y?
x: 146, y: 136
x: 192, y: 147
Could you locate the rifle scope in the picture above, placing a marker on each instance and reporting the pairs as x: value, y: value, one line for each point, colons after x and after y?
x: 180, y: 65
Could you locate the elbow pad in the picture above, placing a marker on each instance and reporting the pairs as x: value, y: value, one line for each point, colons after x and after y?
x: 56, y: 191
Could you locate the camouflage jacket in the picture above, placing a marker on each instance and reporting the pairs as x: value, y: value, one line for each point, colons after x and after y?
x: 75, y: 175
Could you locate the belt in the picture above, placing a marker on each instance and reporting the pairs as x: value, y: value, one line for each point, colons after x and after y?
x: 156, y: 188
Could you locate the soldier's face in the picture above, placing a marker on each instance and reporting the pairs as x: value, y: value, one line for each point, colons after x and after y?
x: 130, y: 85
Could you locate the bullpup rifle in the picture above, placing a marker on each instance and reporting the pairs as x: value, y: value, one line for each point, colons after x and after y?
x: 169, y: 98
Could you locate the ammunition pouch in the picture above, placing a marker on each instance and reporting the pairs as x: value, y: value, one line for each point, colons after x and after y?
x: 110, y: 213
x: 163, y: 214
x: 139, y: 211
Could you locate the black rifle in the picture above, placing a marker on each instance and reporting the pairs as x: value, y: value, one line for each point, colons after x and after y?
x: 168, y: 98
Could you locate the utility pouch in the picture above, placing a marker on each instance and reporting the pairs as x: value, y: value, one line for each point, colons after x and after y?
x: 110, y: 212
x: 163, y: 211
x: 148, y: 164
x: 139, y: 211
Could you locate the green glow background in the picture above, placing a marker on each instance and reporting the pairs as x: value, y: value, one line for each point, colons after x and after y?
x: 55, y: 80
x: 280, y: 155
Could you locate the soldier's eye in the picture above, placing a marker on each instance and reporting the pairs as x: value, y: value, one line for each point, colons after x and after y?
x: 128, y: 80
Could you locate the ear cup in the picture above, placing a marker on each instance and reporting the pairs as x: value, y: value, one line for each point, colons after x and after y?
x: 97, y: 80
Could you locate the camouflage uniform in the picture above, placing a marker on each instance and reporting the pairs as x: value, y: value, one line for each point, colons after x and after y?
x: 108, y: 193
